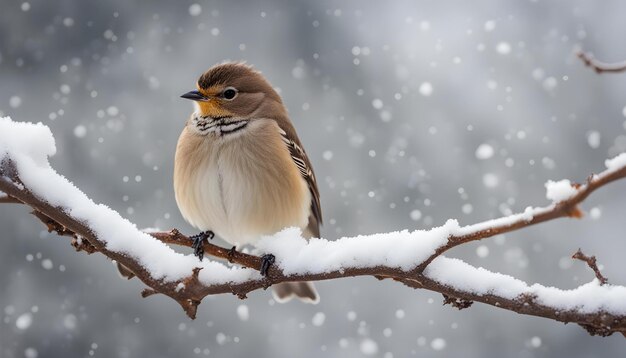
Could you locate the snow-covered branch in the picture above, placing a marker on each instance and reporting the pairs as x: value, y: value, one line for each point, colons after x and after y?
x: 410, y: 257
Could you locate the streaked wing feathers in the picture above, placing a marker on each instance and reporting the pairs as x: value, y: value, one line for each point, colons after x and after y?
x: 301, y: 161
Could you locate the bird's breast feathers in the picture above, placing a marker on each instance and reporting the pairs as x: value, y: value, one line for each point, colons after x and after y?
x: 242, y: 184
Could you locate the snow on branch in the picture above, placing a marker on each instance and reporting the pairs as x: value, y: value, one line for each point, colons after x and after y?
x: 413, y: 258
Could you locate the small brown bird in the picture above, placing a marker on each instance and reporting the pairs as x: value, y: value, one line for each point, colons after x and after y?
x: 240, y: 170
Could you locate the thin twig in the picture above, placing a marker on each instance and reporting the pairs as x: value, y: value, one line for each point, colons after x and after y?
x: 591, y: 262
x: 599, y: 66
x: 566, y: 208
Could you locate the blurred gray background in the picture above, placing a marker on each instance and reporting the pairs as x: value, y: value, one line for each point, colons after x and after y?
x: 412, y: 112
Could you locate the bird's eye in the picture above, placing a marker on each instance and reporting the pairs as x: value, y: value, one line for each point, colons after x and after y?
x: 229, y: 93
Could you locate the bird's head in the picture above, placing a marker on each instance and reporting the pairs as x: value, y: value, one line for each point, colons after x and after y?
x: 232, y: 90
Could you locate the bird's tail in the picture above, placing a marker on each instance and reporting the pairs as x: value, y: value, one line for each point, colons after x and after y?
x: 304, y: 291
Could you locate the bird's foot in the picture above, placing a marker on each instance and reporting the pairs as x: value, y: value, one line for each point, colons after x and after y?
x: 198, y: 242
x: 267, y: 260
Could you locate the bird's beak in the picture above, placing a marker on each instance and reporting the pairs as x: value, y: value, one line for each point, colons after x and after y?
x: 195, y: 95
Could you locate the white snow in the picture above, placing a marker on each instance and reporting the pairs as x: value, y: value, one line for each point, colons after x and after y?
x: 15, y: 101
x: 590, y: 297
x: 113, y: 111
x: 195, y: 9
x: 535, y: 342
x: 401, y: 249
x: 80, y: 131
x: 490, y: 180
x: 68, y: 22
x: 550, y: 83
x: 30, y: 352
x: 595, y: 213
x: 527, y: 215
x: 615, y: 164
x: 377, y: 103
x: 368, y: 347
x: 438, y: 344
x: 243, y: 312
x: 593, y: 139
x: 490, y: 25
x: 538, y: 74
x: 47, y: 264
x: 29, y: 146
x: 70, y: 321
x: 426, y: 89
x: 318, y: 319
x: 484, y: 151
x: 24, y: 321
x: 351, y: 315
x: 561, y: 190
x: 415, y: 215
x: 548, y: 163
x: 482, y: 251
x: 503, y: 48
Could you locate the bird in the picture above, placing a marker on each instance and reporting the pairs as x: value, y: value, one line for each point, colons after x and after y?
x: 240, y: 170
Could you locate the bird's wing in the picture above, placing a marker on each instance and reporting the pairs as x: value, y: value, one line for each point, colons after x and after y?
x: 300, y: 159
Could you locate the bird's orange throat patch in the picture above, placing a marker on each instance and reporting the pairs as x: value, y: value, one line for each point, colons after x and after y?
x: 212, y: 108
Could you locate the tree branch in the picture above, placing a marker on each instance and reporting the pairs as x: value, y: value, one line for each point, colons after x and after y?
x: 5, y: 199
x: 190, y: 296
x: 436, y: 273
x: 599, y: 66
x: 56, y: 219
x: 566, y: 208
x: 591, y: 262
x: 175, y: 237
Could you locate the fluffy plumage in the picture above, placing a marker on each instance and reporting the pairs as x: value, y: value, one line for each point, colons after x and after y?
x: 240, y: 169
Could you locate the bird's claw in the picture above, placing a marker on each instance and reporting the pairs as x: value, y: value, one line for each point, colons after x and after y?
x: 198, y: 243
x: 266, y: 261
